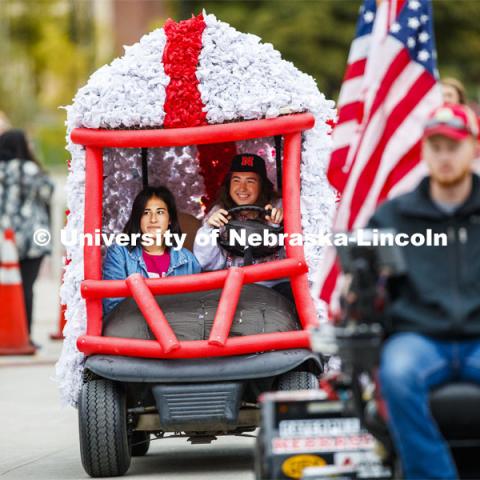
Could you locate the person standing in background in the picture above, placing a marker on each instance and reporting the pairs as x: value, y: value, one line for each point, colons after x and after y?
x: 453, y: 91
x: 4, y: 122
x: 25, y: 194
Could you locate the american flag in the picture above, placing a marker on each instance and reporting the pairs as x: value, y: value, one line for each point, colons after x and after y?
x: 390, y: 87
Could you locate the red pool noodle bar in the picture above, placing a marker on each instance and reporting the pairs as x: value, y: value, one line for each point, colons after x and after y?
x: 166, y: 345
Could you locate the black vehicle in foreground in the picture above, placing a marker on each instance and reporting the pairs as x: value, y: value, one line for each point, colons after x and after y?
x: 340, y: 431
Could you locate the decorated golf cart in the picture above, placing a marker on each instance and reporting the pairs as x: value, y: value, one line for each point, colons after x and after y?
x: 172, y: 111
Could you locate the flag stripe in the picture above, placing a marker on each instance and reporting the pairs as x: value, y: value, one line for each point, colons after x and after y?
x: 409, y: 180
x: 398, y: 115
x: 335, y: 174
x: 399, y: 144
x: 399, y: 62
x: 372, y: 133
x: 343, y: 134
x: 384, y: 102
x: 395, y: 69
x: 359, y: 49
x: 327, y: 284
x: 404, y: 166
x: 349, y: 92
x: 351, y: 111
x: 356, y: 69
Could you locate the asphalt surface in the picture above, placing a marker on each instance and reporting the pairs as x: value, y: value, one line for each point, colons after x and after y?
x: 39, y: 438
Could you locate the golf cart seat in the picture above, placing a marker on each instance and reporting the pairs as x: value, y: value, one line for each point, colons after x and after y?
x: 455, y: 408
x: 260, y: 310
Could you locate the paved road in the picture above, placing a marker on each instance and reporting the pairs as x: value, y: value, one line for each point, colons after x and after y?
x: 39, y: 438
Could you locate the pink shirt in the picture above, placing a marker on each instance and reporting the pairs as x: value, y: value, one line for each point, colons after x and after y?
x: 157, y: 265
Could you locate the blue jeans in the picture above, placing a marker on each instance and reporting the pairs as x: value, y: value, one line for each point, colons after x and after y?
x: 411, y: 365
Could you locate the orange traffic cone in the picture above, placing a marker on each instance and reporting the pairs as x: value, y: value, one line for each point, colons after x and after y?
x: 13, y: 316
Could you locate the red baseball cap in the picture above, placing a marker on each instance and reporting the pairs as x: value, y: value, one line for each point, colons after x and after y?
x: 452, y: 120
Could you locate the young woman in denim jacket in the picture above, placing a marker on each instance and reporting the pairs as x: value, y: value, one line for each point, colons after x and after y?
x: 153, y: 212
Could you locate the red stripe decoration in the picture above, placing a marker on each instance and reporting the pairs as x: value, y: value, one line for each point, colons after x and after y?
x: 183, y: 105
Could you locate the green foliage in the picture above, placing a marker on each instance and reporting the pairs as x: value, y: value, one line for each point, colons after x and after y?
x: 316, y: 34
x: 49, y: 142
x: 49, y: 47
x: 47, y: 50
x: 458, y: 41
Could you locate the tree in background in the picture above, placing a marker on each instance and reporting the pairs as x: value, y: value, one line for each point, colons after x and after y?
x: 50, y: 47
x: 316, y: 34
x: 47, y: 51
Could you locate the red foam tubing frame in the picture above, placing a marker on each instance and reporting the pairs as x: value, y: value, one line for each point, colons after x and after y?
x: 177, y: 137
x: 92, y: 254
x: 95, y: 140
x: 227, y: 306
x: 194, y: 349
x: 153, y: 314
x: 94, y: 289
x: 293, y: 224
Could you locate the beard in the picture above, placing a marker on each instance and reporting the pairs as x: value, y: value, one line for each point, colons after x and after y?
x: 451, y: 181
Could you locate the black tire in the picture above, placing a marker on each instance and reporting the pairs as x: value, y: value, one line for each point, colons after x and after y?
x: 102, y: 416
x: 297, y: 381
x: 260, y: 462
x: 140, y: 443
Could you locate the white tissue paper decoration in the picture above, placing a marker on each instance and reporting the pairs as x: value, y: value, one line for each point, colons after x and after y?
x: 240, y: 79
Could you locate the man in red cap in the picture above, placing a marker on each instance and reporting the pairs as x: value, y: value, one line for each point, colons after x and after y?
x: 434, y: 314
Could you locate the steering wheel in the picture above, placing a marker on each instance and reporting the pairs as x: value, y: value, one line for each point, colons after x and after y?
x: 239, y: 244
x: 251, y: 208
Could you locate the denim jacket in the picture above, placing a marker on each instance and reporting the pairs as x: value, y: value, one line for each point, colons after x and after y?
x: 120, y: 262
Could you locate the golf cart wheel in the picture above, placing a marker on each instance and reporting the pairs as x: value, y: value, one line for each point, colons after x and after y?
x: 102, y: 415
x: 261, y: 466
x: 140, y: 443
x: 297, y: 381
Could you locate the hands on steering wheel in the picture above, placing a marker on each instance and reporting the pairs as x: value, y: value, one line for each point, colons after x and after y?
x: 221, y: 217
x: 275, y: 215
x: 248, y: 227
